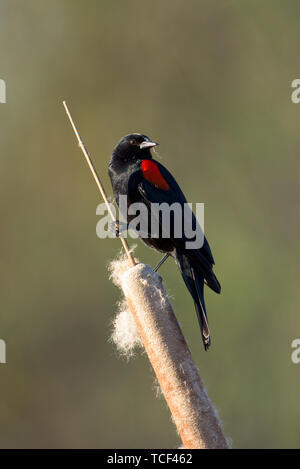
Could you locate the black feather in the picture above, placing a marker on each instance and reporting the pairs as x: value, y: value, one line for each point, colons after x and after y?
x: 195, y: 284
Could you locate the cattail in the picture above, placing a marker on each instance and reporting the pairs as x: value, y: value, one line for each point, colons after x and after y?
x: 158, y: 330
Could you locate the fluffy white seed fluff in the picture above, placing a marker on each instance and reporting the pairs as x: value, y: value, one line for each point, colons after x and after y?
x: 125, y: 334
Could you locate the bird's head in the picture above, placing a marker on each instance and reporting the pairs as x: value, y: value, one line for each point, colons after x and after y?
x: 134, y: 147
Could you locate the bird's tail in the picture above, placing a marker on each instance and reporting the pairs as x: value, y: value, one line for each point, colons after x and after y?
x: 194, y: 281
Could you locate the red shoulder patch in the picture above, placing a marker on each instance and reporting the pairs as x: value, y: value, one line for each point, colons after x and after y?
x: 152, y: 173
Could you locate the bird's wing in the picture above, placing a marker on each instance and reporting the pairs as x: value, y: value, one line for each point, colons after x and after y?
x: 181, y: 198
x: 157, y: 185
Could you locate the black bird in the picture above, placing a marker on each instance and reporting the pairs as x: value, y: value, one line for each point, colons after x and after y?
x: 135, y: 174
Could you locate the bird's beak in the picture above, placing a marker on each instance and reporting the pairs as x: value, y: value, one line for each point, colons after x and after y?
x: 147, y: 144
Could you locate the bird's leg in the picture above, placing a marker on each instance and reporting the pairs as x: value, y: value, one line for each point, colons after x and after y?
x: 161, y: 262
x: 117, y: 227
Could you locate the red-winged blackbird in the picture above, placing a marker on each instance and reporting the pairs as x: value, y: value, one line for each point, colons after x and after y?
x: 135, y: 174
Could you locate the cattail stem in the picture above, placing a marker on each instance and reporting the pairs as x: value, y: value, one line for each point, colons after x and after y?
x: 97, y: 179
x: 196, y: 419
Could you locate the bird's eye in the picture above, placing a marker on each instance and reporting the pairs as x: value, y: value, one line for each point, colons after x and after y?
x: 133, y: 142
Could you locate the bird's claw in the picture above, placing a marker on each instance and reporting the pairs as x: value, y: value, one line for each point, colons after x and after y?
x: 117, y: 227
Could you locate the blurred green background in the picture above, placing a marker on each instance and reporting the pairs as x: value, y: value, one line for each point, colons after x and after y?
x: 211, y: 81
